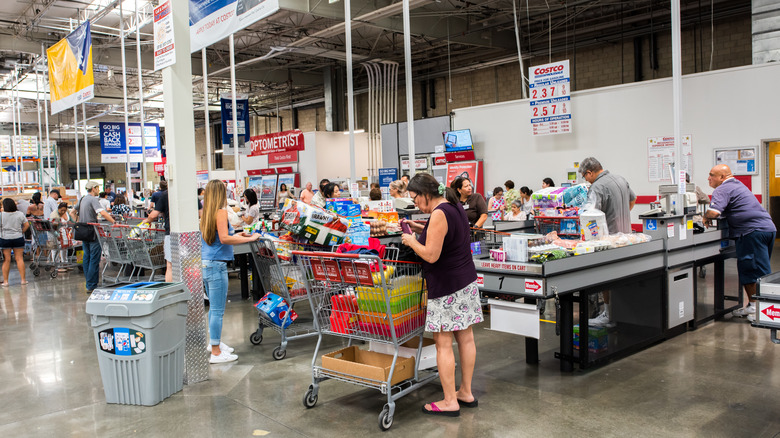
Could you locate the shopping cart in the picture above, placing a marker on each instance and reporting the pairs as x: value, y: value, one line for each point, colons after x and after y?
x: 567, y: 227
x: 113, y: 241
x: 365, y: 298
x: 482, y: 241
x: 54, y: 247
x: 280, y: 275
x: 146, y: 247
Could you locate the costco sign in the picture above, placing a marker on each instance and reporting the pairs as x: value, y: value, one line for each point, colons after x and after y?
x: 277, y: 142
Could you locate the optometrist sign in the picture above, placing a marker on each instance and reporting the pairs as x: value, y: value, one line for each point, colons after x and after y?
x: 214, y: 20
x: 277, y: 142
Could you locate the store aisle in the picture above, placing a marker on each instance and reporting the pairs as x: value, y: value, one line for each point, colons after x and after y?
x: 719, y: 380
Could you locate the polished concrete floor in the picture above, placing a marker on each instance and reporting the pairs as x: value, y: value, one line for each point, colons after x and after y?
x: 716, y: 381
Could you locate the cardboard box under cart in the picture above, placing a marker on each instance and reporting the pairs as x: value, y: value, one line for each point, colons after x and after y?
x: 371, y: 366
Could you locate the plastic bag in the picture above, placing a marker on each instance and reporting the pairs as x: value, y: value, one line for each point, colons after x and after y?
x: 593, y: 223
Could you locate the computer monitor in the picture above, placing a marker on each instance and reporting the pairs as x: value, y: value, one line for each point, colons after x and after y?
x: 460, y: 140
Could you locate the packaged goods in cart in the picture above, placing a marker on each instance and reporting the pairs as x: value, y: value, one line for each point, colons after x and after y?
x: 576, y: 196
x: 498, y: 255
x: 276, y: 308
x: 358, y: 232
x: 313, y: 223
x: 551, y: 197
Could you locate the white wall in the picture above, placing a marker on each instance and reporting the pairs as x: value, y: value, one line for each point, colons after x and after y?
x: 330, y: 151
x: 726, y: 108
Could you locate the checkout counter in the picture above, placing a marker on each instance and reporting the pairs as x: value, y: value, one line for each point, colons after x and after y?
x: 656, y: 291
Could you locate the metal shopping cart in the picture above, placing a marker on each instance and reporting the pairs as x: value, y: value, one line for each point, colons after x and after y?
x: 113, y: 241
x: 366, y: 298
x: 482, y: 241
x: 54, y: 247
x: 146, y: 247
x: 280, y: 275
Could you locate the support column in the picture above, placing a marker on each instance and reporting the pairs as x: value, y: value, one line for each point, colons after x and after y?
x: 182, y: 196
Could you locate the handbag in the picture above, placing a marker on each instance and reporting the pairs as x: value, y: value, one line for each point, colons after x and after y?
x: 81, y: 230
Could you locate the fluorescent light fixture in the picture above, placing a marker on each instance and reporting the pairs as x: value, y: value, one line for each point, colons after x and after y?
x: 218, y: 151
x: 357, y: 131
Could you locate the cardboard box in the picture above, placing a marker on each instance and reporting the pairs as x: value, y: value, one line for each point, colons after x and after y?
x: 368, y: 365
x: 409, y: 349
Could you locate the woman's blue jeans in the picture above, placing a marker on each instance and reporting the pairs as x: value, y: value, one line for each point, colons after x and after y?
x: 215, y: 278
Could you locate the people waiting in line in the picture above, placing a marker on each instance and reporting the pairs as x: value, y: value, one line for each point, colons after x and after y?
x: 156, y: 195
x: 87, y: 211
x: 473, y: 203
x: 161, y: 207
x: 120, y: 207
x: 397, y: 189
x: 510, y: 194
x: 282, y: 195
x: 36, y: 206
x: 319, y: 198
x: 331, y: 191
x: 525, y: 198
x: 217, y: 239
x: 253, y: 208
x: 516, y: 212
x: 453, y: 297
x: 307, y: 194
x: 13, y: 225
x: 51, y: 204
x: 547, y: 182
x: 375, y: 194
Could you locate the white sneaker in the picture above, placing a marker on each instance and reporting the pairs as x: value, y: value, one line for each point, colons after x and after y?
x: 750, y: 309
x: 222, y: 347
x: 751, y: 317
x: 601, y: 321
x: 223, y: 357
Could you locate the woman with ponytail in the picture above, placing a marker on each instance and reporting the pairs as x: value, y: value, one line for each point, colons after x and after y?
x: 451, y: 278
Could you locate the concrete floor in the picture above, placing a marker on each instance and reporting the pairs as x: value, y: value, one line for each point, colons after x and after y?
x: 716, y: 381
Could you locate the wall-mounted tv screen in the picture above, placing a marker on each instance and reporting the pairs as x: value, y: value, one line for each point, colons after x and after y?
x: 460, y: 140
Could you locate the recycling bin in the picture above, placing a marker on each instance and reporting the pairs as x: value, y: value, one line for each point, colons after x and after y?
x: 140, y: 335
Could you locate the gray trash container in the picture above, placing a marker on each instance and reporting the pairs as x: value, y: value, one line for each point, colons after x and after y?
x: 140, y: 332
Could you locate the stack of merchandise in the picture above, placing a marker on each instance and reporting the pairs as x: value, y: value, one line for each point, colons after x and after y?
x: 313, y: 224
x: 404, y: 292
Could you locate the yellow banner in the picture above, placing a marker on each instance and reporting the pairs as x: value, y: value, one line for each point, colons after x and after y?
x: 71, y: 79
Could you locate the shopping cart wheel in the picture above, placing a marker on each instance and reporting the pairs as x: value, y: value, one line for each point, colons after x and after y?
x: 310, y: 398
x: 47, y: 268
x: 385, y: 419
x: 53, y: 273
x: 256, y: 338
x: 36, y: 272
x: 279, y: 354
x: 33, y: 266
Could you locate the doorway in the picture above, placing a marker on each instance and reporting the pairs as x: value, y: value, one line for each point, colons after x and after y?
x: 773, y: 181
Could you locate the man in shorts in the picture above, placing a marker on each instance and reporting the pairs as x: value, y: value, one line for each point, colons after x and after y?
x: 161, y: 207
x: 749, y: 224
x: 88, y: 210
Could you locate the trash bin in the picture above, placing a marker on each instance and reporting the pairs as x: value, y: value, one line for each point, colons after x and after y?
x: 140, y: 335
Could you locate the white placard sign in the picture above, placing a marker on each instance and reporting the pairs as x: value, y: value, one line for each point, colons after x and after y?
x: 550, y: 104
x: 660, y: 154
x: 164, y: 55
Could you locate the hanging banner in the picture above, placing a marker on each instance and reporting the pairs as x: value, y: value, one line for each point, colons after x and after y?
x: 242, y: 117
x: 164, y: 55
x: 71, y: 80
x: 214, y: 20
x: 550, y: 104
x: 277, y: 142
x: 387, y: 175
x: 114, y: 141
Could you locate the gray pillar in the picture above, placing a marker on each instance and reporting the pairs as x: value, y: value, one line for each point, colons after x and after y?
x: 182, y: 196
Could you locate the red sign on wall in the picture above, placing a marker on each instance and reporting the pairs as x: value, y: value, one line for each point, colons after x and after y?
x: 277, y: 142
x: 283, y: 157
x: 460, y: 156
x: 439, y: 160
x: 283, y: 170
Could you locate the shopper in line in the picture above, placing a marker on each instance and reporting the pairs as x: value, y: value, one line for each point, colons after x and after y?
x: 318, y: 199
x: 13, y: 225
x: 201, y: 190
x: 51, y: 204
x: 103, y: 203
x: 60, y: 216
x: 161, y: 207
x: 331, y: 191
x: 307, y: 194
x: 525, y: 198
x: 473, y: 203
x: 252, y: 207
x: 516, y: 213
x: 611, y: 194
x: 217, y: 239
x: 749, y: 224
x: 120, y: 207
x: 453, y: 298
x: 110, y: 195
x: 156, y: 195
x: 405, y: 178
x: 87, y: 211
x: 375, y: 194
x: 36, y: 206
x: 496, y: 204
x: 397, y: 189
x: 510, y: 194
x: 547, y: 182
x: 282, y: 195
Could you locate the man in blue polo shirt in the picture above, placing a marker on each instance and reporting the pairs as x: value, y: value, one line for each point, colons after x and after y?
x: 749, y: 224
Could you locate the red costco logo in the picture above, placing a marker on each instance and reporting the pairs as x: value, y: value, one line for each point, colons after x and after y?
x: 546, y: 70
x: 772, y: 312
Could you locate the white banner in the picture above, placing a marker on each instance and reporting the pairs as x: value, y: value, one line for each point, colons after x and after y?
x: 164, y: 55
x: 214, y: 20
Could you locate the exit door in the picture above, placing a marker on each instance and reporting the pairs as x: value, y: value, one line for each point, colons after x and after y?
x: 773, y: 149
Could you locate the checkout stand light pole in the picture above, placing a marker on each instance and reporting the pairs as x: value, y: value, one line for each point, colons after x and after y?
x: 350, y: 94
x: 409, y: 97
x: 236, y: 154
x: 679, y: 166
x: 128, y: 184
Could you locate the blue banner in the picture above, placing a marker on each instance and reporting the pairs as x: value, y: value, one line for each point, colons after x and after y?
x: 242, y: 116
x: 114, y: 139
x: 387, y: 175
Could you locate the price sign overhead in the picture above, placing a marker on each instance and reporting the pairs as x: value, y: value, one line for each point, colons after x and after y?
x: 550, y: 104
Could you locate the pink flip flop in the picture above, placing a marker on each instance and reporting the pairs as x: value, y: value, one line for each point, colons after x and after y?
x: 436, y: 411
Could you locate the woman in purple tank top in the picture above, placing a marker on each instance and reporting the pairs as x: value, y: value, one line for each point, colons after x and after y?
x: 451, y: 278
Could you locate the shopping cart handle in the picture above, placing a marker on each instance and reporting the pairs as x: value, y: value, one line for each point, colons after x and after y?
x: 326, y: 254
